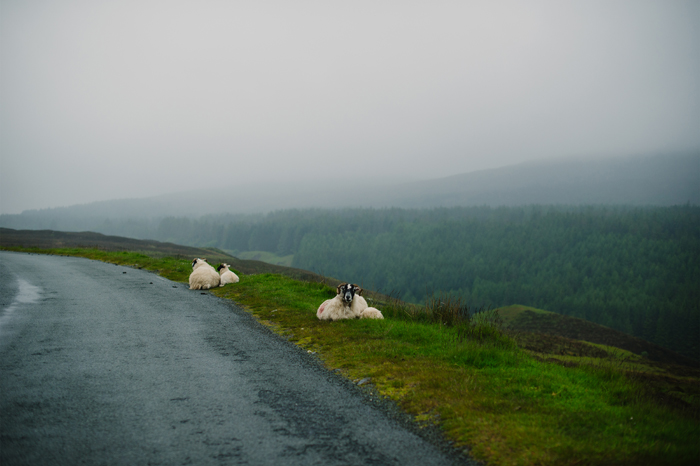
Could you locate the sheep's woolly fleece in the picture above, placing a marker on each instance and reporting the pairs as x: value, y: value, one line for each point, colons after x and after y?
x: 203, y: 276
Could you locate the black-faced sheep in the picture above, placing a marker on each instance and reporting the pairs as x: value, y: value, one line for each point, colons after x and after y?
x: 226, y: 275
x: 348, y: 304
x: 203, y: 275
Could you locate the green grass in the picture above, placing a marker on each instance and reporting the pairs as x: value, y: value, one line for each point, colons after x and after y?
x: 491, y: 396
x: 510, y: 312
x: 507, y: 405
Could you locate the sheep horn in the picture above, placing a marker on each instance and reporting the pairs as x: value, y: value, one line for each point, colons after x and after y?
x: 358, y: 290
x: 339, y: 287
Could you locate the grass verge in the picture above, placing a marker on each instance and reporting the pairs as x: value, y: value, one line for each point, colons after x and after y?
x: 505, y: 404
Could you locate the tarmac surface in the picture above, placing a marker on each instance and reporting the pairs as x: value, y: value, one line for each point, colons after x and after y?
x: 103, y: 364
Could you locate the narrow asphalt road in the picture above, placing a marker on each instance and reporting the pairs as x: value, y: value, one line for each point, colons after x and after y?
x: 101, y: 364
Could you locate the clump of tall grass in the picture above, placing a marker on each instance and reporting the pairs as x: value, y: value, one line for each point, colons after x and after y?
x: 486, y: 326
x: 482, y: 324
x: 447, y: 310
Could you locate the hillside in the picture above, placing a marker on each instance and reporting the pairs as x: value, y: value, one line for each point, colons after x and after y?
x: 634, y: 269
x: 530, y: 320
x: 518, y: 318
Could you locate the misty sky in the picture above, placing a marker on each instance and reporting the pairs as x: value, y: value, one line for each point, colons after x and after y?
x: 117, y: 99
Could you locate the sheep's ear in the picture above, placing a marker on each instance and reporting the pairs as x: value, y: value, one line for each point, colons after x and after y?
x: 340, y: 286
x: 358, y: 290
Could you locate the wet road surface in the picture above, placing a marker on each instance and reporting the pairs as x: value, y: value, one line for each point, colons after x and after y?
x: 102, y: 364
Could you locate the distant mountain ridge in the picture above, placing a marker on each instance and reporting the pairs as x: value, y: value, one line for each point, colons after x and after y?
x: 659, y: 180
x: 642, y: 180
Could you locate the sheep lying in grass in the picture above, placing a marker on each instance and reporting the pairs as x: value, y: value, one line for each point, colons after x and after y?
x: 348, y: 304
x: 203, y: 275
x: 226, y: 275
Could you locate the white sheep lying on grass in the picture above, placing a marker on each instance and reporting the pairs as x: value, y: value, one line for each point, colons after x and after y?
x: 348, y: 304
x: 203, y: 275
x: 226, y: 275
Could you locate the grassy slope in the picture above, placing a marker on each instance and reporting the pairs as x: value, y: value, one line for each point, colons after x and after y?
x: 529, y: 319
x: 507, y: 404
x: 510, y: 407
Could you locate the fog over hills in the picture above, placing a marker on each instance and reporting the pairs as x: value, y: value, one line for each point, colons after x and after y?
x: 642, y: 180
x: 658, y: 180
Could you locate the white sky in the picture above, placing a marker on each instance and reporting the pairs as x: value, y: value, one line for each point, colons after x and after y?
x: 114, y: 99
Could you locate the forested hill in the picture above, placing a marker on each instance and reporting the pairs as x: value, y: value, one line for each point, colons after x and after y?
x: 636, y: 270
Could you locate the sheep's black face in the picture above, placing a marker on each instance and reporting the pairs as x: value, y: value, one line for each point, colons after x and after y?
x: 348, y: 292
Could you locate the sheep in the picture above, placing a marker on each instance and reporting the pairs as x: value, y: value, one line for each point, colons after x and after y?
x: 371, y: 313
x: 203, y: 275
x: 348, y: 304
x: 226, y: 275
